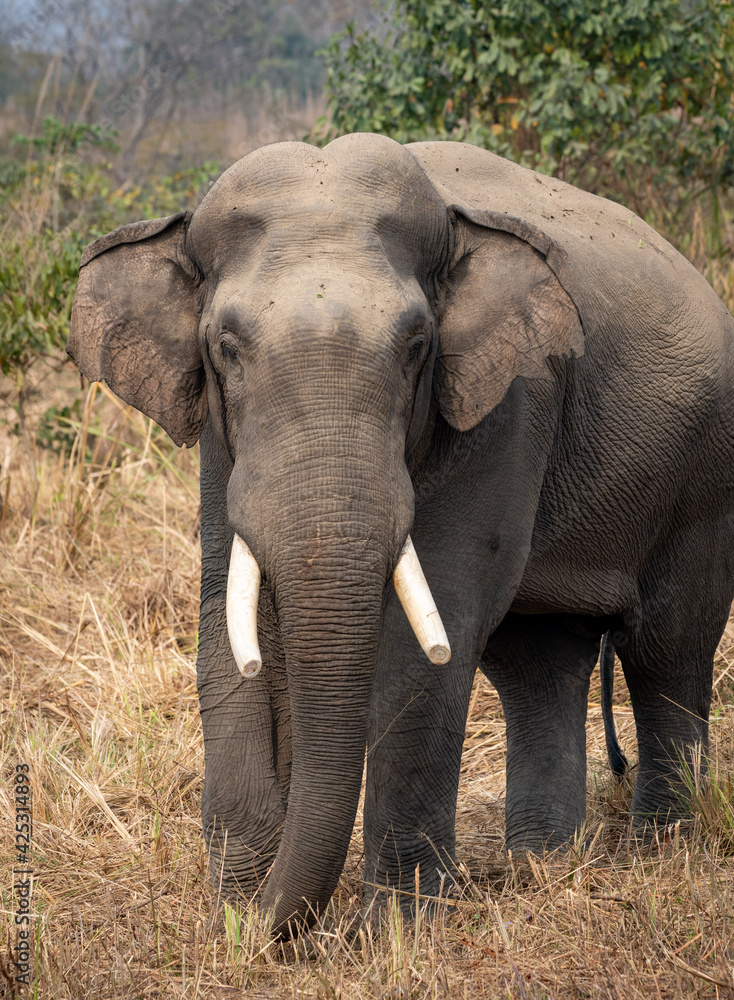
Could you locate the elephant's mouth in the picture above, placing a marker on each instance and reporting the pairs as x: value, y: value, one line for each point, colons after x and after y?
x: 411, y: 587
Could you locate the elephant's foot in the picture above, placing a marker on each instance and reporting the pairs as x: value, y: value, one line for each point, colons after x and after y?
x: 410, y: 872
x: 668, y: 788
x: 383, y: 905
x: 237, y: 870
x: 524, y: 838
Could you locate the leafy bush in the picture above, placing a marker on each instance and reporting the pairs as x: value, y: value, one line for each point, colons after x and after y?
x: 55, y: 203
x: 66, y: 137
x: 37, y: 282
x: 602, y: 93
x: 12, y: 174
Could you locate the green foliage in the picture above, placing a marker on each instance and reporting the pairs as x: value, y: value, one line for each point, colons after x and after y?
x: 59, y: 137
x: 58, y: 427
x: 12, y: 174
x: 600, y: 92
x: 37, y: 282
x: 155, y: 197
x: 53, y: 205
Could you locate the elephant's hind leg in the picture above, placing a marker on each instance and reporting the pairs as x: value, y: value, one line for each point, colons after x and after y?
x: 540, y: 666
x: 667, y: 656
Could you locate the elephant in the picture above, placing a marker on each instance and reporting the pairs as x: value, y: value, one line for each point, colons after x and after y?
x: 425, y: 363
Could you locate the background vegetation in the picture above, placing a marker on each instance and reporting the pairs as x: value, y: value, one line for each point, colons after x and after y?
x: 110, y: 113
x: 604, y: 94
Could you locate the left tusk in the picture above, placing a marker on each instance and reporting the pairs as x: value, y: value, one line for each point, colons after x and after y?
x: 243, y: 590
x: 420, y: 609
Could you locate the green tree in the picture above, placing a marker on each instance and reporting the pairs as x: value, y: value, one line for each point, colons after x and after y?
x: 608, y: 94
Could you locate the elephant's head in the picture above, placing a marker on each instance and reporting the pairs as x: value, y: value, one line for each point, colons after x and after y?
x: 312, y: 307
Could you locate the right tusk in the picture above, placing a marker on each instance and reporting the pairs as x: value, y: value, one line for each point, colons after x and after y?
x: 243, y: 590
x: 419, y: 607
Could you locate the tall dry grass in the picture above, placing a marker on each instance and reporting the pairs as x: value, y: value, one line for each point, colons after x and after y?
x: 98, y: 610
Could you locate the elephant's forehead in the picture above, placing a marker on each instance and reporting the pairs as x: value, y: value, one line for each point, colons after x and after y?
x: 317, y: 294
x: 284, y: 242
x: 375, y: 169
x: 344, y: 190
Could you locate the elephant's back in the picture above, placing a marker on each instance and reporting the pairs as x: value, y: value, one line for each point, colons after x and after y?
x: 621, y: 274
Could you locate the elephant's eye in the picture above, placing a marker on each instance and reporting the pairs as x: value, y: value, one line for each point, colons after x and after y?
x: 228, y: 347
x: 415, y: 347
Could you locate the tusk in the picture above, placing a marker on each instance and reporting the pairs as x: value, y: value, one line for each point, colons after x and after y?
x: 418, y: 604
x: 243, y: 590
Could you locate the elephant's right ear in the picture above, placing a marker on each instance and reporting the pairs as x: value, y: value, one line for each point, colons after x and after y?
x: 135, y: 323
x: 505, y: 315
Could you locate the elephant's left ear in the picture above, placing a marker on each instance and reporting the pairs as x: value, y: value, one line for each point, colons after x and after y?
x: 135, y: 323
x: 504, y: 315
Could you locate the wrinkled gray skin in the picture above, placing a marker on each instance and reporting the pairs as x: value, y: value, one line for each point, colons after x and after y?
x: 371, y: 340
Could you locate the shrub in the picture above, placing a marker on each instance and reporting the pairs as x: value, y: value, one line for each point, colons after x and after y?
x: 602, y: 93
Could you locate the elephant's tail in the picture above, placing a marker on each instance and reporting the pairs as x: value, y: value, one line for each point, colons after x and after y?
x: 617, y: 759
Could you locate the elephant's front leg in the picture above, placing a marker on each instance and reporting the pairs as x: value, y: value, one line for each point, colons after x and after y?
x: 413, y: 763
x: 417, y: 726
x: 540, y: 666
x: 246, y: 722
x: 247, y: 756
x: 472, y: 531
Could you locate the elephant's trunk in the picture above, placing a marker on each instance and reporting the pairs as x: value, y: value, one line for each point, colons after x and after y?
x: 325, y: 502
x: 329, y: 605
x: 330, y: 631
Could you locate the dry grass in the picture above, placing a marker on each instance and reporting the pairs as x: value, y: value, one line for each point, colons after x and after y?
x: 98, y: 609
